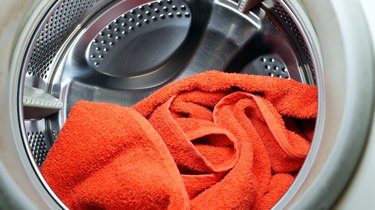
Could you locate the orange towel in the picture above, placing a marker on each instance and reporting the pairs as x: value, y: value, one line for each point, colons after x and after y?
x: 210, y: 141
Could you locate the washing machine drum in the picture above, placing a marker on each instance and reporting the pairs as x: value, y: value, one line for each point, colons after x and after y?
x: 55, y: 53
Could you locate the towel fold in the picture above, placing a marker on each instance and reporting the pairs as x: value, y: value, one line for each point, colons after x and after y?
x: 211, y: 141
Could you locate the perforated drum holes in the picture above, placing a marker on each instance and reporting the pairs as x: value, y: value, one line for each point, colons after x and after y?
x: 36, y: 140
x: 285, y: 18
x: 274, y: 67
x: 133, y: 21
x: 54, y: 32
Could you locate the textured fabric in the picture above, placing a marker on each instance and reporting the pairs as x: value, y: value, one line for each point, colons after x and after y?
x: 211, y: 141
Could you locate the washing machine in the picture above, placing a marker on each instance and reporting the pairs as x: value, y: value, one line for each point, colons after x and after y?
x: 56, y: 52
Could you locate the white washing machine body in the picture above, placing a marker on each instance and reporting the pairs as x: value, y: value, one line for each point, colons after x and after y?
x: 338, y: 172
x: 360, y: 191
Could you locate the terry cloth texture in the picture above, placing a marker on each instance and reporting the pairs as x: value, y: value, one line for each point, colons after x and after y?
x: 211, y: 141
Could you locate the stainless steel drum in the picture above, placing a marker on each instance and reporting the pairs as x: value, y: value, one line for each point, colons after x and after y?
x: 122, y: 51
x: 125, y: 50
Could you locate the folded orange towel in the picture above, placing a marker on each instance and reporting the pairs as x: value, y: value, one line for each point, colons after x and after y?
x: 210, y: 141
